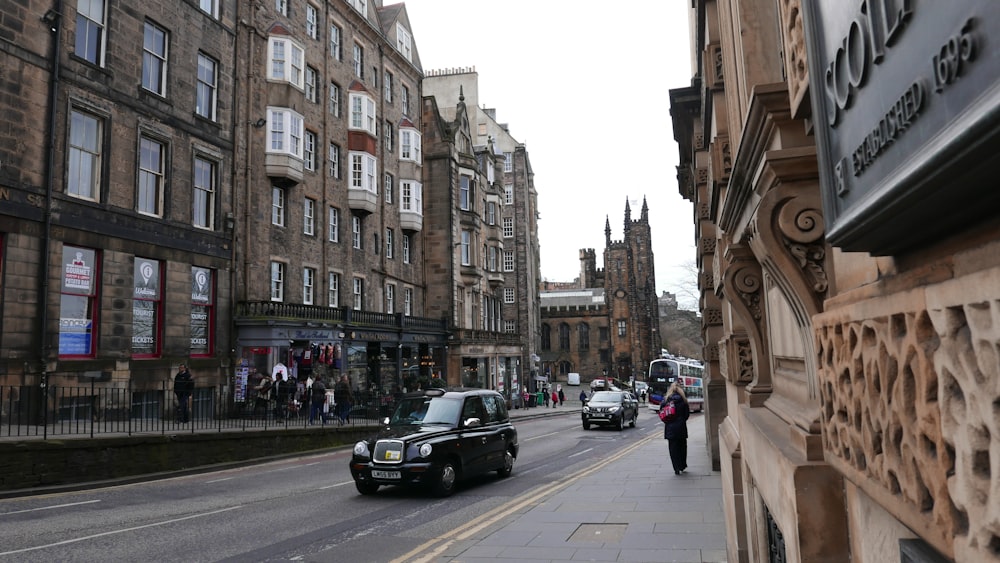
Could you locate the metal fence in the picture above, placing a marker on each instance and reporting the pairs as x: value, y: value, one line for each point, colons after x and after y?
x: 29, y: 412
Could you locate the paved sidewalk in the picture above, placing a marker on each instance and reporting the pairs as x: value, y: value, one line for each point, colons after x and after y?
x: 631, y: 508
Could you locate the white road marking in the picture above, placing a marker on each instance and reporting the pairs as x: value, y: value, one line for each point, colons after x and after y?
x: 113, y: 532
x: 49, y: 507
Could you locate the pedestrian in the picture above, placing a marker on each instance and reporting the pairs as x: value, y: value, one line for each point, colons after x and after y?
x: 317, y: 398
x: 562, y: 397
x: 343, y: 398
x: 545, y: 396
x: 263, y: 390
x: 555, y: 399
x: 675, y: 428
x: 583, y: 398
x: 183, y: 387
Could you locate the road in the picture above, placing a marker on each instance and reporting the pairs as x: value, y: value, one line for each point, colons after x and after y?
x: 301, y: 509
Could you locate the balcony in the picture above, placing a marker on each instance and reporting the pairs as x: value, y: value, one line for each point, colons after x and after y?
x: 362, y: 201
x: 284, y: 170
x: 411, y: 221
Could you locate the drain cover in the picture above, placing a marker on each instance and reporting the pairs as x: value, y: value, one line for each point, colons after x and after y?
x: 599, y: 532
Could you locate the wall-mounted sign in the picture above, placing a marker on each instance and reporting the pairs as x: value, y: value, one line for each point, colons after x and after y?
x: 906, y: 101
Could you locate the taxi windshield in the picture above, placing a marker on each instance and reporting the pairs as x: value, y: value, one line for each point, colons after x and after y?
x: 427, y: 410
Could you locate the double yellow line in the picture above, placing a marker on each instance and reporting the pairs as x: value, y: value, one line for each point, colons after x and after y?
x: 431, y: 549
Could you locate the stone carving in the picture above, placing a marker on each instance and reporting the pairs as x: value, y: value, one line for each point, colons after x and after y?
x: 748, y: 285
x: 722, y: 160
x: 701, y: 175
x: 704, y: 211
x: 909, y: 416
x: 715, y: 79
x: 707, y: 245
x: 802, y: 228
x: 707, y: 281
x: 796, y: 66
x: 712, y: 317
x: 744, y: 357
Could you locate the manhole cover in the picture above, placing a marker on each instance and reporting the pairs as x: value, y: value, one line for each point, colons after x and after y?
x: 599, y: 532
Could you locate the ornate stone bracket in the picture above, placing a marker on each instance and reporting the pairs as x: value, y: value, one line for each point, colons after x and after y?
x: 743, y: 287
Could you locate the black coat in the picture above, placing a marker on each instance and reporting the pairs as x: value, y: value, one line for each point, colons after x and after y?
x: 677, y: 428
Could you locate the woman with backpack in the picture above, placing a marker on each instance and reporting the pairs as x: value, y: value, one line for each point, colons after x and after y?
x: 675, y: 425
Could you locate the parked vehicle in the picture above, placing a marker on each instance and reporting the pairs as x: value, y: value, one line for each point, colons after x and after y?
x: 610, y: 408
x: 436, y: 438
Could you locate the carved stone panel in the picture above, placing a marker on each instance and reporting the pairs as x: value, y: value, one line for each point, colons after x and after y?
x: 910, y: 399
x: 796, y: 65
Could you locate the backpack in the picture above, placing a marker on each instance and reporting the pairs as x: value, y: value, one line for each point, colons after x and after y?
x: 668, y: 411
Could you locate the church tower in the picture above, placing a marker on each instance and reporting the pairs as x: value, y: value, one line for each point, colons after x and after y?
x: 630, y: 291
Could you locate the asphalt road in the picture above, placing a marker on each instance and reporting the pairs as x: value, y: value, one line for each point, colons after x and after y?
x: 301, y: 509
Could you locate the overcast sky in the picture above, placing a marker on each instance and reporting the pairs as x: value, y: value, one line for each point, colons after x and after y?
x: 585, y: 87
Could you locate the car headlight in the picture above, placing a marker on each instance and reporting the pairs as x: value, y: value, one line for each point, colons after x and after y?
x: 586, y: 409
x: 615, y: 408
x: 425, y: 450
x: 361, y: 449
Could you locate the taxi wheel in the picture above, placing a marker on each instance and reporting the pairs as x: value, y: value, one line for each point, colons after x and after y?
x: 366, y: 488
x: 446, y: 482
x: 508, y: 464
x: 621, y: 423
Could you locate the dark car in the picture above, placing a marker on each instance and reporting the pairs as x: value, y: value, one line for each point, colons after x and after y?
x: 435, y: 438
x: 610, y: 408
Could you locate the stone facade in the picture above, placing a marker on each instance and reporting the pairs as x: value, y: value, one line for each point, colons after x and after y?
x: 849, y: 391
x: 482, y: 268
x: 100, y: 158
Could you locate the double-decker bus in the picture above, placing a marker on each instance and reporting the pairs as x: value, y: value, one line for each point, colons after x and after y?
x: 664, y: 371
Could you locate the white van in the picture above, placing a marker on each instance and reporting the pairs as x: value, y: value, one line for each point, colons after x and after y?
x: 573, y: 379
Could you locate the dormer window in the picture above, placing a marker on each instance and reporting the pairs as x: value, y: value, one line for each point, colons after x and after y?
x: 404, y: 42
x: 286, y: 61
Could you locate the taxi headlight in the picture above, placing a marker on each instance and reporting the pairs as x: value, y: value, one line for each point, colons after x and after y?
x: 425, y: 450
x: 361, y: 449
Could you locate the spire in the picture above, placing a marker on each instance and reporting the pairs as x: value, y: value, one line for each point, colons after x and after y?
x: 645, y: 211
x: 607, y: 230
x: 461, y: 93
x: 628, y: 215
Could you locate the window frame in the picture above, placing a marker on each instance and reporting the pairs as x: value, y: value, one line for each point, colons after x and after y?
x: 149, y: 297
x: 145, y: 173
x: 285, y: 61
x: 333, y: 158
x: 203, y: 216
x: 309, y: 151
x: 154, y: 62
x: 508, y: 261
x: 312, y: 21
x: 278, y: 205
x: 333, y: 289
x: 282, y: 139
x: 333, y: 224
x: 508, y: 227
x: 203, y: 107
x: 84, y: 41
x: 310, y: 84
x: 358, y: 293
x: 79, y: 282
x: 409, y: 144
x: 278, y: 281
x: 390, y: 299
x: 78, y: 153
x: 336, y: 42
x: 308, y: 285
x: 390, y: 243
x: 363, y: 113
x: 309, y: 216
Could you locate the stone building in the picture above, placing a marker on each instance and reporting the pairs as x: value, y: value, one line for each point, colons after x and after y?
x: 328, y: 198
x: 841, y: 159
x: 609, y: 323
x: 118, y: 139
x: 482, y: 255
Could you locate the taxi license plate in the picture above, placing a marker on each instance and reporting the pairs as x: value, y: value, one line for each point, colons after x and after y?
x: 385, y: 474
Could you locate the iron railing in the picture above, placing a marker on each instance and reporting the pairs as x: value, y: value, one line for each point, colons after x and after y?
x: 29, y: 412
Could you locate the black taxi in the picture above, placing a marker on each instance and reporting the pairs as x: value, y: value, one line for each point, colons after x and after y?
x: 435, y: 438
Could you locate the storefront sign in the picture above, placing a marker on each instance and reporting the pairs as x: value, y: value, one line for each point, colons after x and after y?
x: 906, y: 98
